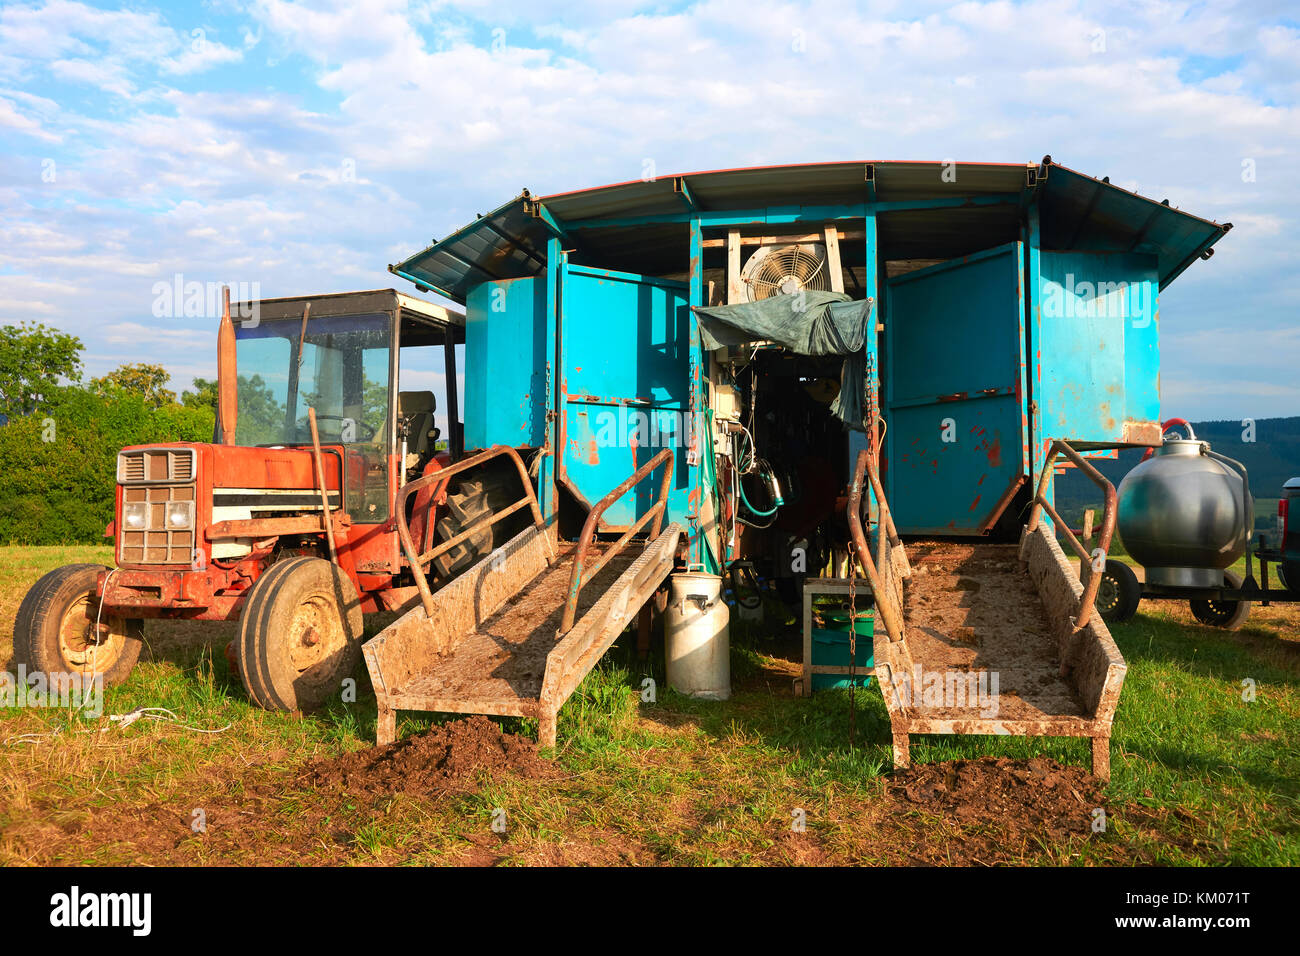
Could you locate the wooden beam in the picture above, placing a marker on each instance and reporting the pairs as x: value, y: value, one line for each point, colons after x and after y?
x: 735, y: 288
x: 843, y: 234
x: 832, y: 238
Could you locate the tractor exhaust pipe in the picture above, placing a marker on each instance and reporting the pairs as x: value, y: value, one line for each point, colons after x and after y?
x: 227, y: 386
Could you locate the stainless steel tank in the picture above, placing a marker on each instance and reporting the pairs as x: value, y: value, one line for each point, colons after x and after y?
x: 1184, y: 515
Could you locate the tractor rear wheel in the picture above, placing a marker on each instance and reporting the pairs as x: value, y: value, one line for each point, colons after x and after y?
x: 56, y: 629
x: 300, y: 635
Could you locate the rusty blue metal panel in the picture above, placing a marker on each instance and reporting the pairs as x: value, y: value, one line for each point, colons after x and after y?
x: 957, y: 443
x: 624, y: 388
x: 505, y: 363
x: 1096, y: 348
x: 546, y: 469
x: 701, y: 551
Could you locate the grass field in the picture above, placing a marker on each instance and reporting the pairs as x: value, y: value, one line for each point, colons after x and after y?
x: 1200, y: 774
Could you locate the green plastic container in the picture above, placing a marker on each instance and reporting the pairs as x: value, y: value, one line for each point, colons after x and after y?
x: 830, y: 647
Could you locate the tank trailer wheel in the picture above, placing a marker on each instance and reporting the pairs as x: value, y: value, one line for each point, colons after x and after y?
x: 300, y: 635
x: 55, y: 631
x: 1281, y: 580
x: 1118, y: 593
x: 1229, y: 615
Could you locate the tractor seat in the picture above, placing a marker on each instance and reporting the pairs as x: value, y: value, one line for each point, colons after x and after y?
x: 417, y: 408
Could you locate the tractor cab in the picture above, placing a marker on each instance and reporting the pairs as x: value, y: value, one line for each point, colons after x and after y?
x: 373, y: 365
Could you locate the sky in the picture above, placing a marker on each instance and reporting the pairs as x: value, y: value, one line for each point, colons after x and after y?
x: 300, y: 147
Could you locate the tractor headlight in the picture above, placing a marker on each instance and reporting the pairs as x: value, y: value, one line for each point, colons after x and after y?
x: 135, y: 515
x: 180, y: 514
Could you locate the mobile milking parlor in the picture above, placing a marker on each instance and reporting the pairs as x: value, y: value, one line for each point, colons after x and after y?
x: 772, y: 373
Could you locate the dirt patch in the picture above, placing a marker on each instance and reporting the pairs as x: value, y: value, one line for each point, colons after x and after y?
x: 444, y: 758
x: 799, y: 849
x: 969, y: 608
x: 1003, y: 804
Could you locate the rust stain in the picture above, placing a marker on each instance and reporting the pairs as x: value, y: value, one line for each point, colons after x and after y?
x: 975, y: 504
x: 995, y: 453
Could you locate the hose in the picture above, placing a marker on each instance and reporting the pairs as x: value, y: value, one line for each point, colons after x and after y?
x: 755, y: 511
x: 711, y: 477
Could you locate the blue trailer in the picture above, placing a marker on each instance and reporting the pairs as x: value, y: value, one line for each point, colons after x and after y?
x: 1011, y: 305
x: 780, y: 364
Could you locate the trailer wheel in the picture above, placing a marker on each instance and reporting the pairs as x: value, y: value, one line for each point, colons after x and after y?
x: 1119, y: 593
x: 55, y: 631
x: 1213, y: 612
x: 300, y: 635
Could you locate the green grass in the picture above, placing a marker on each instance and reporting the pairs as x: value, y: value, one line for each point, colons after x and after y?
x: 1199, y: 774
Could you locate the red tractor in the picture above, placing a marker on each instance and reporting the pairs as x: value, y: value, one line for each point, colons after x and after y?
x: 285, y: 521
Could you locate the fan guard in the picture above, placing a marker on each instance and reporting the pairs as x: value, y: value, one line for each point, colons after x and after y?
x: 778, y: 270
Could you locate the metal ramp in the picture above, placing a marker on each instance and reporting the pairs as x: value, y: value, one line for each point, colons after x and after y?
x: 983, y: 638
x: 515, y: 633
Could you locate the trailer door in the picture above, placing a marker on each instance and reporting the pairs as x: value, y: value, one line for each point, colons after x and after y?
x: 624, y: 387
x: 957, y: 440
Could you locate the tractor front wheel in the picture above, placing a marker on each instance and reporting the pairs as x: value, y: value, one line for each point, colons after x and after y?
x: 60, y: 628
x: 300, y: 635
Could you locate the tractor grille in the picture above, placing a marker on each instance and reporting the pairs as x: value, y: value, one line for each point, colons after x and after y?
x: 154, y: 543
x: 153, y: 479
x: 155, y: 464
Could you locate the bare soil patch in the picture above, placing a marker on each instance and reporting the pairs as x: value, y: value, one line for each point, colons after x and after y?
x: 441, y: 759
x: 1001, y: 804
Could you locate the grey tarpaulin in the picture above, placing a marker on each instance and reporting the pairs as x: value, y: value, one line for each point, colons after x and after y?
x: 808, y: 323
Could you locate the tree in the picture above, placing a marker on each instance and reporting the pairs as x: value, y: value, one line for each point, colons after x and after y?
x: 203, y: 396
x: 33, y: 360
x: 138, y: 378
x: 261, y: 414
x: 58, y: 469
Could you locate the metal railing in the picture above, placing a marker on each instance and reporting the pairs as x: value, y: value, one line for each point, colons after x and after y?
x: 1090, y: 577
x: 885, y: 577
x: 418, y: 560
x: 656, y: 512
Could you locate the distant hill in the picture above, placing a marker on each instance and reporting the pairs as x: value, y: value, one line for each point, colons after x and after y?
x: 1271, y: 459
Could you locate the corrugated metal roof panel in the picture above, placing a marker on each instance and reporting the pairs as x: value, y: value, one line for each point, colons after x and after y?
x: 1081, y: 212
x: 946, y: 233
x: 1077, y: 211
x: 507, y: 243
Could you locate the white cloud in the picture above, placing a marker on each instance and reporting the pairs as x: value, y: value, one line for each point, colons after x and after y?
x: 12, y: 118
x: 133, y: 333
x: 107, y: 75
x: 201, y: 54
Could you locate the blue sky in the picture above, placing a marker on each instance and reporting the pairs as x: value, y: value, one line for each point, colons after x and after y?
x: 304, y: 146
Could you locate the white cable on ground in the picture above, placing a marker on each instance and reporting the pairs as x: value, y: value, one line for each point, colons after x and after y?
x: 122, y: 721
